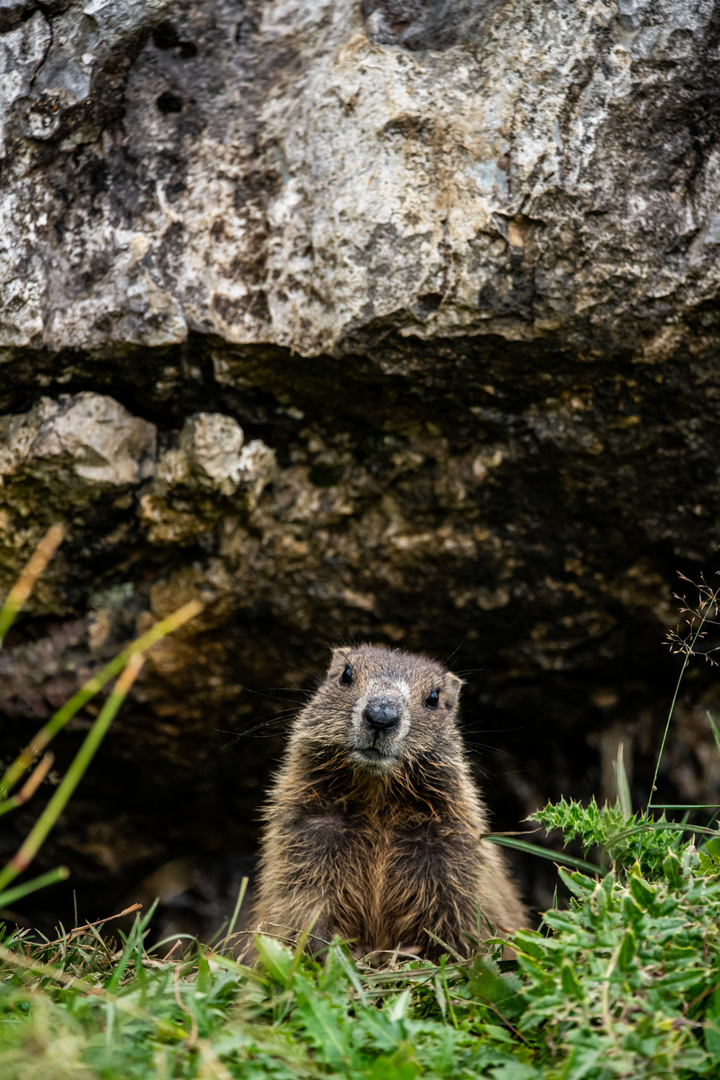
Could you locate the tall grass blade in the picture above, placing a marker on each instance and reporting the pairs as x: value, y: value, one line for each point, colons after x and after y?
x: 714, y: 729
x: 710, y: 607
x: 35, y: 747
x: 544, y: 853
x: 685, y: 806
x: 238, y: 904
x: 26, y: 582
x: 622, y: 786
x: 52, y: 877
x: 37, y: 835
x: 30, y: 786
x: 165, y: 1028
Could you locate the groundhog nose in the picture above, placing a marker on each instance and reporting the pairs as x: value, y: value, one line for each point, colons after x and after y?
x: 382, y: 713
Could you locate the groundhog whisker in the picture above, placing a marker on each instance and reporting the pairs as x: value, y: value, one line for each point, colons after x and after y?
x: 279, y: 718
x: 287, y: 691
x: 500, y: 752
x: 271, y: 694
x: 448, y: 660
x: 314, y: 675
x: 505, y: 730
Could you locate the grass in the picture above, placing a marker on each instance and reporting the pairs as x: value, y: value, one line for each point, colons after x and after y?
x: 625, y: 983
x: 126, y: 665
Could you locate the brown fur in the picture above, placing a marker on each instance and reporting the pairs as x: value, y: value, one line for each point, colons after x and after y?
x: 376, y: 836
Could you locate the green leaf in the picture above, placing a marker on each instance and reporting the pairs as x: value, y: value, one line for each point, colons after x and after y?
x: 672, y: 868
x: 578, y: 884
x: 398, y: 1066
x: 502, y: 991
x: 569, y: 982
x: 632, y: 912
x: 514, y: 1070
x: 709, y: 857
x: 628, y: 947
x: 323, y: 1027
x: 500, y: 1034
x: 641, y: 891
x: 397, y: 1010
x: 275, y: 958
x: 712, y: 1027
x: 530, y: 942
x: 565, y: 921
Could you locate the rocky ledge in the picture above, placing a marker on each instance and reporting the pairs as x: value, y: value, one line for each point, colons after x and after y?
x: 386, y: 320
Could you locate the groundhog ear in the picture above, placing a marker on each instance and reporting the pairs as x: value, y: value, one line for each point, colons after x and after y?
x: 453, y: 686
x: 339, y: 659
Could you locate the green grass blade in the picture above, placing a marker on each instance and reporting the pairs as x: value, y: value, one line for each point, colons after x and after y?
x: 709, y: 606
x: 165, y: 1028
x: 544, y: 853
x: 23, y: 761
x: 37, y: 835
x: 672, y: 826
x: 714, y: 729
x: 30, y: 786
x: 26, y: 582
x: 238, y: 904
x: 60, y: 873
x: 686, y: 806
x: 133, y: 944
x: 622, y: 785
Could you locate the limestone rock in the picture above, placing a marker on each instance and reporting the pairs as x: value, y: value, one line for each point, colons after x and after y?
x: 210, y: 458
x: 90, y: 433
x: 211, y: 454
x: 314, y: 174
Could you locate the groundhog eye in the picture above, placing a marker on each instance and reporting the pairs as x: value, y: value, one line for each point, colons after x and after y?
x: 433, y: 701
x: 347, y: 676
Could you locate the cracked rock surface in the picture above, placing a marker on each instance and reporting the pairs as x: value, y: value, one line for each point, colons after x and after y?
x: 382, y: 319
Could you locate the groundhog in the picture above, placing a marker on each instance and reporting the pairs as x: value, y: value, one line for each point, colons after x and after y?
x: 374, y: 826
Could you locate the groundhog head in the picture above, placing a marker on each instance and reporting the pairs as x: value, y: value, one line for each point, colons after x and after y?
x: 383, y: 707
